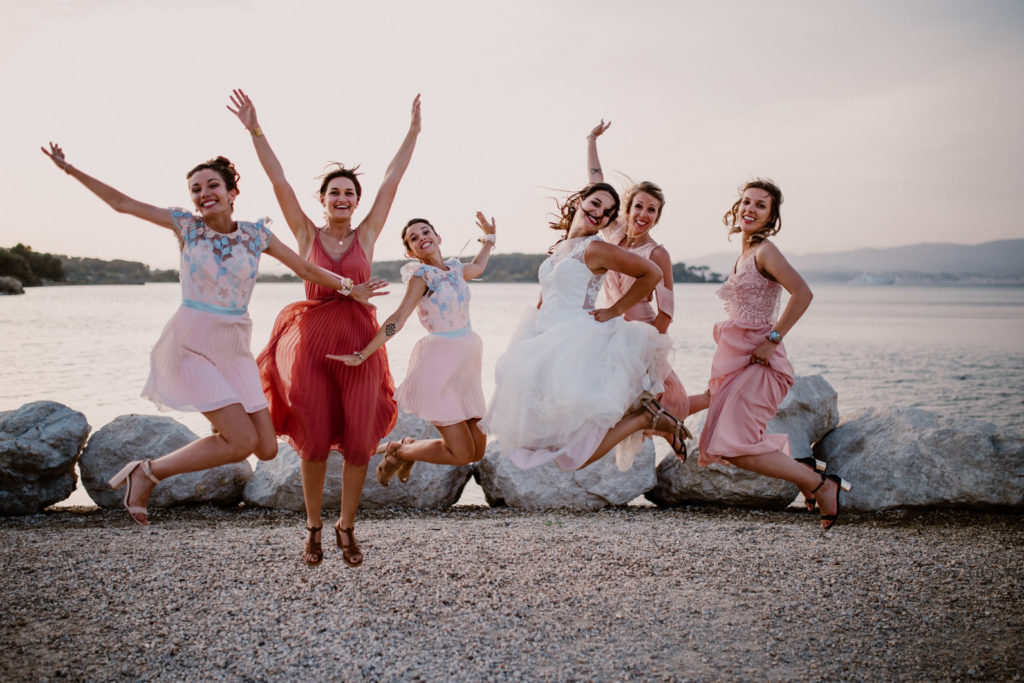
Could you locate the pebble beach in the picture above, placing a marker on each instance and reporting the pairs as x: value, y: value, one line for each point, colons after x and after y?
x: 479, y: 594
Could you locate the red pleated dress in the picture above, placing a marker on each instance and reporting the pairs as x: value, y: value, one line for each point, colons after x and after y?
x: 316, y: 403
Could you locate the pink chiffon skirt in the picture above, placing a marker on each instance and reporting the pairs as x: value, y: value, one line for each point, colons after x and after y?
x: 203, y: 361
x: 443, y: 385
x: 744, y: 396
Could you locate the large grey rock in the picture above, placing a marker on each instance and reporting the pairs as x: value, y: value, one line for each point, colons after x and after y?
x: 547, y: 487
x: 147, y: 437
x: 807, y: 413
x: 10, y: 285
x: 905, y: 457
x: 39, y: 446
x: 277, y: 483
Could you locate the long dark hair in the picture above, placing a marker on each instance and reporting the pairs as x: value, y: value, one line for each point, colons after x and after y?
x: 567, y: 209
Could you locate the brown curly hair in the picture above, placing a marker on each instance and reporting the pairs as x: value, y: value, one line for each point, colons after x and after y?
x: 651, y: 189
x: 567, y: 209
x: 774, y: 223
x: 223, y: 167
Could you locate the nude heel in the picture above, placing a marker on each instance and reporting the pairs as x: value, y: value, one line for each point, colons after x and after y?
x: 125, y: 477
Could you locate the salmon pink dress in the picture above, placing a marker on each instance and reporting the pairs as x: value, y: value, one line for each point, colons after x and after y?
x: 203, y: 358
x: 744, y: 395
x: 443, y: 385
x: 674, y: 398
x: 316, y: 403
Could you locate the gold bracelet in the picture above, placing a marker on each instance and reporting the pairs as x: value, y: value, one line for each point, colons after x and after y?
x: 256, y: 131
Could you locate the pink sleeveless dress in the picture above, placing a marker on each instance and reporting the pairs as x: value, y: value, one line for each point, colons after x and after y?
x: 745, y: 396
x: 674, y: 398
x: 316, y: 403
x: 203, y: 359
x: 443, y: 384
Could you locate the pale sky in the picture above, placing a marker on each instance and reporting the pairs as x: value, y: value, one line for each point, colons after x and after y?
x: 885, y: 122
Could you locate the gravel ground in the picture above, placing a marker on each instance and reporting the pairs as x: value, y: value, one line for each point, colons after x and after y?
x: 701, y: 594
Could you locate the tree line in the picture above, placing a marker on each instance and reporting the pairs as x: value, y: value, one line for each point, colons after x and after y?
x: 33, y: 268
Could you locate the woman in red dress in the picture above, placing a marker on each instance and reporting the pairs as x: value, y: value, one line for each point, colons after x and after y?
x: 316, y: 403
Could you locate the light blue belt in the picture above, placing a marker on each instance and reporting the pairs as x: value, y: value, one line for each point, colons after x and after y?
x: 453, y: 334
x: 212, y: 308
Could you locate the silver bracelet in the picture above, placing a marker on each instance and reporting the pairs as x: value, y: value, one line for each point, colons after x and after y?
x: 359, y: 355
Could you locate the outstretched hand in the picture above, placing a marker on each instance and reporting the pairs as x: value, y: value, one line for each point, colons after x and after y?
x: 488, y: 227
x: 244, y: 109
x: 600, y: 128
x: 347, y: 360
x: 364, y: 290
x: 416, y: 124
x: 57, y: 155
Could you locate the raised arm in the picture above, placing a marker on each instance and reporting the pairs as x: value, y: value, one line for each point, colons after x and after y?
x: 475, y: 268
x: 772, y: 263
x: 361, y: 292
x: 594, y: 173
x: 601, y: 257
x: 116, y: 199
x: 375, y: 219
x: 414, y: 291
x: 298, y: 222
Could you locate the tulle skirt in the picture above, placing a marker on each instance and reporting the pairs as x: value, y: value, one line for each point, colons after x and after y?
x: 442, y: 385
x: 559, y: 390
x: 203, y: 361
x: 744, y: 396
x: 319, y: 404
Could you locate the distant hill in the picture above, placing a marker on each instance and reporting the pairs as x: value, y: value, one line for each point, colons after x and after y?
x: 998, y: 262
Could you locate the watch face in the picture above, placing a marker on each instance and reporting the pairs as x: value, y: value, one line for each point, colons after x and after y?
x: 774, y: 336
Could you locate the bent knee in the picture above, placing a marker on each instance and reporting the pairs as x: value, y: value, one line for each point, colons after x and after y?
x: 266, y: 450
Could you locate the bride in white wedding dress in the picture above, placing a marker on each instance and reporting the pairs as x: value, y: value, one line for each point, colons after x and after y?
x: 568, y: 387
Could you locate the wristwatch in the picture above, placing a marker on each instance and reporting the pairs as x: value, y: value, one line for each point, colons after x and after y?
x: 774, y: 337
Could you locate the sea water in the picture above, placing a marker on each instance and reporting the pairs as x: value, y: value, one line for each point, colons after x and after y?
x: 952, y: 350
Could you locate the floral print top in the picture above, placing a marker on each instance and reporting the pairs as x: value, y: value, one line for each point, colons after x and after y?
x: 218, y: 271
x: 445, y: 307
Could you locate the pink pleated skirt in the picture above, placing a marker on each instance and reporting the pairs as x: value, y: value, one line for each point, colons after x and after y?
x: 203, y: 361
x: 744, y: 396
x: 443, y: 385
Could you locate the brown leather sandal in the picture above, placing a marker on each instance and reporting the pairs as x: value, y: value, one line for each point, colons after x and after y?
x: 313, y: 547
x: 676, y: 434
x: 350, y: 549
x: 405, y: 469
x: 389, y: 464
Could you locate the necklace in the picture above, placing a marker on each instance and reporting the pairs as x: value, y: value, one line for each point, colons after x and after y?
x: 631, y: 244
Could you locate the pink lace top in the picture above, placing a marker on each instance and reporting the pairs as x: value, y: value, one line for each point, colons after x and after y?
x: 751, y: 298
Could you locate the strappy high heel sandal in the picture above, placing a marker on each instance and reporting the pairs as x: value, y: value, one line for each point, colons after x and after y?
x: 404, y: 473
x: 350, y: 549
x: 125, y: 477
x: 389, y: 464
x: 313, y: 548
x: 818, y: 466
x: 841, y: 485
x: 678, y: 431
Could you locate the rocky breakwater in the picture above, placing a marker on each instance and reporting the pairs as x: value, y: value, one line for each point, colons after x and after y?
x: 277, y: 483
x: 907, y: 458
x: 39, y: 445
x: 809, y: 412
x: 145, y: 437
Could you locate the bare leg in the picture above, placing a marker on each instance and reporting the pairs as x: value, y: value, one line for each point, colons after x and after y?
x: 352, y: 478
x: 460, y: 444
x: 781, y: 466
x: 699, y: 403
x: 623, y: 428
x: 237, y: 435
x: 313, y: 475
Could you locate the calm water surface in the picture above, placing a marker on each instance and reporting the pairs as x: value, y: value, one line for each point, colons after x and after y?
x: 953, y: 350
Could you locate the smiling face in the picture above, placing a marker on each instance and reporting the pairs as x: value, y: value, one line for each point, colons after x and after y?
x: 340, y: 199
x: 643, y: 212
x: 210, y: 194
x: 421, y: 242
x: 754, y: 210
x: 593, y: 212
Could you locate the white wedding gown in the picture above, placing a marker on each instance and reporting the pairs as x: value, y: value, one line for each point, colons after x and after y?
x: 565, y: 378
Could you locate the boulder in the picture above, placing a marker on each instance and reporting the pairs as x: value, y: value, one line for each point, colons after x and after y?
x: 39, y: 446
x: 277, y: 483
x: 906, y: 457
x: 808, y: 413
x: 10, y: 285
x: 546, y: 487
x: 147, y: 437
